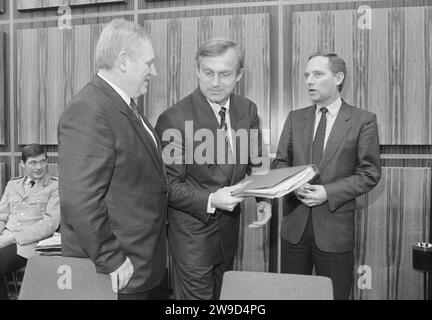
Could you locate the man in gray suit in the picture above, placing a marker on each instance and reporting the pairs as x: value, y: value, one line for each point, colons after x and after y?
x: 318, y: 223
x: 113, y: 187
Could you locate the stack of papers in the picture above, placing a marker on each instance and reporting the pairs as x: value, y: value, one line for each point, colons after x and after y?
x: 276, y: 183
x: 50, y: 246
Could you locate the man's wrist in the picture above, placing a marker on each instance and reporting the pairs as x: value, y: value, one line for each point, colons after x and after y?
x: 210, y: 208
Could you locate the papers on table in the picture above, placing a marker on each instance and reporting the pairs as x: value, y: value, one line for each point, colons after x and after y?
x: 50, y: 246
x: 276, y: 183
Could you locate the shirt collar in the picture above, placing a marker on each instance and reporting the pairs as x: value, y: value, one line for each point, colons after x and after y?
x: 217, y: 107
x: 333, y: 108
x: 27, y: 180
x: 117, y: 89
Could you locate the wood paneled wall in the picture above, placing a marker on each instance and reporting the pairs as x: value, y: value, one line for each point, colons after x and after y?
x: 2, y: 177
x: 390, y: 219
x: 176, y: 42
x: 389, y: 73
x: 52, y: 65
x: 2, y: 86
x: 388, y: 65
x: 41, y: 4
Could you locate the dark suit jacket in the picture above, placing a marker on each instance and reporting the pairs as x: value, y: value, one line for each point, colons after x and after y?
x: 350, y: 167
x: 113, y: 187
x: 193, y: 237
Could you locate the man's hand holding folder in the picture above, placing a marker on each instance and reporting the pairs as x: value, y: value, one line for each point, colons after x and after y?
x: 276, y: 183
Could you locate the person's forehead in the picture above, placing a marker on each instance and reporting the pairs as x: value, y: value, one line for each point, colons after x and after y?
x: 318, y: 63
x: 37, y: 158
x: 146, y: 50
x: 228, y: 59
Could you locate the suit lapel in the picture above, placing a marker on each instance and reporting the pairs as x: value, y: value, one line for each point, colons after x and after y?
x: 237, y: 120
x: 337, y: 134
x: 307, y: 132
x: 126, y: 111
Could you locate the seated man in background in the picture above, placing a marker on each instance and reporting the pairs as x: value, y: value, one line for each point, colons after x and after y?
x: 29, y: 212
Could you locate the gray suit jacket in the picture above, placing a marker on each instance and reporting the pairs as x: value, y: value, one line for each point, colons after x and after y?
x: 350, y: 167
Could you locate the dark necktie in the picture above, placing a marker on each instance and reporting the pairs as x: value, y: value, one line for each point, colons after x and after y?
x: 223, y: 124
x: 32, y: 183
x: 318, y: 143
x: 134, y: 108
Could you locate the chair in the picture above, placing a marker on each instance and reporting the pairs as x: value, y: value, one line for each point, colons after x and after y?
x: 245, y: 285
x: 64, y: 278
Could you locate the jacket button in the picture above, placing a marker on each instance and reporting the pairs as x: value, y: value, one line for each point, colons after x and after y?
x: 22, y: 214
x: 18, y: 224
x: 23, y: 202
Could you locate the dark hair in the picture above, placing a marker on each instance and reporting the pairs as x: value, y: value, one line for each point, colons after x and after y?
x: 336, y: 64
x: 32, y: 150
x: 218, y: 46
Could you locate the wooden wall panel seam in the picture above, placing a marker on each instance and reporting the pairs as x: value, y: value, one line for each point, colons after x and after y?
x: 25, y: 5
x: 2, y: 86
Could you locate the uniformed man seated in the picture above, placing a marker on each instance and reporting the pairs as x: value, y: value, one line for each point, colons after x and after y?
x: 29, y: 212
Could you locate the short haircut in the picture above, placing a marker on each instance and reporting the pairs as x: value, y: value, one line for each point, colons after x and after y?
x: 336, y: 64
x: 32, y: 150
x: 117, y: 36
x: 218, y: 46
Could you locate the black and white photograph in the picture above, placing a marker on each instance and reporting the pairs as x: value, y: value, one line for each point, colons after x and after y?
x: 232, y: 153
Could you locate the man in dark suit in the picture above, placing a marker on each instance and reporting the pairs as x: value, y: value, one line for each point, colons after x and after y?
x: 318, y: 224
x: 113, y: 187
x: 203, y: 217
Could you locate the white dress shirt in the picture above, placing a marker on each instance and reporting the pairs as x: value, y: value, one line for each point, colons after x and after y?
x: 126, y: 99
x: 333, y: 110
x: 216, y: 108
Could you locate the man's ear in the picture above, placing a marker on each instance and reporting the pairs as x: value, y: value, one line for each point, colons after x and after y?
x: 340, y: 76
x: 22, y: 164
x: 240, y: 74
x: 122, y: 60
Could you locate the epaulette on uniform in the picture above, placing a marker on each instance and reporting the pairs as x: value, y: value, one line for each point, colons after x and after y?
x: 55, y: 178
x: 16, y: 178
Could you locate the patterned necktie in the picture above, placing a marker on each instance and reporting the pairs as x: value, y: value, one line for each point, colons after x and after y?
x: 223, y: 124
x: 318, y: 143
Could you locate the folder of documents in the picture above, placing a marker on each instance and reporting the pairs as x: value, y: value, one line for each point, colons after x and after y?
x: 50, y: 246
x: 276, y: 183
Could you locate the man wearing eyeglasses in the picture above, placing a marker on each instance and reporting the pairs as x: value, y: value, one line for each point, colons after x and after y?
x: 29, y: 212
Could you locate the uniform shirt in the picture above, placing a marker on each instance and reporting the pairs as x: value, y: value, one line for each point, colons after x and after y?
x: 30, y: 214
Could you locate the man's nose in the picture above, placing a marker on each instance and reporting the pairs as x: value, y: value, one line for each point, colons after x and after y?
x: 215, y: 80
x: 153, y: 71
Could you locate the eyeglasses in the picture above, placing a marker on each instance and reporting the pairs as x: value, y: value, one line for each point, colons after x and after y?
x: 34, y: 163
